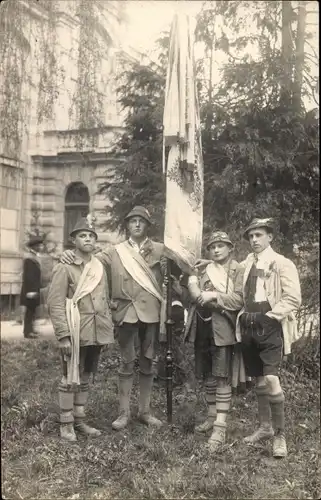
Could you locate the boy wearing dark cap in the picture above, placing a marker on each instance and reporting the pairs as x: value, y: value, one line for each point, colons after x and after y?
x: 267, y: 327
x: 136, y: 281
x: 78, y: 302
x: 216, y: 296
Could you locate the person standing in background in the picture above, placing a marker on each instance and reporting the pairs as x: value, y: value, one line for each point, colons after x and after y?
x: 31, y: 284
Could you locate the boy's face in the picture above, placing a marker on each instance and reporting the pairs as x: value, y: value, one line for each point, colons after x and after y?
x: 259, y: 239
x: 84, y: 241
x: 219, y: 251
x: 137, y: 227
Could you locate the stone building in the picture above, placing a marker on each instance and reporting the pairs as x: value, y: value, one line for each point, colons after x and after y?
x: 59, y: 62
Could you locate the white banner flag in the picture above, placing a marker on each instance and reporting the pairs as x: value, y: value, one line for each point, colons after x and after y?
x: 182, y: 137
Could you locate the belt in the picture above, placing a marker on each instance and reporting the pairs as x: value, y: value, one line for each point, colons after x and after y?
x: 258, y: 307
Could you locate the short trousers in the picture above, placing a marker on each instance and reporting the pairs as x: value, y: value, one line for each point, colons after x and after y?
x: 88, y: 360
x: 261, y: 345
x: 141, y: 335
x: 216, y: 360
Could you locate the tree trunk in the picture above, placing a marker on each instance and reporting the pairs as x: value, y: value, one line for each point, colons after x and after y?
x: 299, y: 55
x: 209, y: 117
x: 287, y: 54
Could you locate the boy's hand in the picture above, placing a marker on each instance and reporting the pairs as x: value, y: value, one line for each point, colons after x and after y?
x: 206, y: 297
x: 176, y: 286
x: 65, y: 346
x: 32, y: 295
x: 200, y: 263
x: 67, y: 257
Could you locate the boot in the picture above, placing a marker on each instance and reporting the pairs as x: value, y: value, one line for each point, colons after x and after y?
x: 66, y: 401
x: 125, y: 387
x: 67, y: 432
x: 279, y: 446
x: 80, y: 401
x: 210, y: 395
x: 207, y: 425
x: 31, y: 335
x: 217, y: 438
x: 277, y: 411
x: 145, y: 386
x: 83, y: 428
x: 265, y: 431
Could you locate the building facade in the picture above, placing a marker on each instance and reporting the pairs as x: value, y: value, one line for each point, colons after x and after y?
x: 61, y: 61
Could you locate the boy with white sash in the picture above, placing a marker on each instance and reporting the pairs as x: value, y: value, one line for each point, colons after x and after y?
x: 136, y: 289
x: 78, y: 302
x: 216, y: 296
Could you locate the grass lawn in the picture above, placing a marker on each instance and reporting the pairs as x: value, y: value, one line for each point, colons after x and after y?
x: 139, y: 462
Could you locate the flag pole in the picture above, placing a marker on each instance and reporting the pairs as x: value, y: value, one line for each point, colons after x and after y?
x: 169, y: 336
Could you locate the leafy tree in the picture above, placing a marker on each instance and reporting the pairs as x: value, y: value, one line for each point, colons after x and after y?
x: 138, y: 177
x: 260, y: 146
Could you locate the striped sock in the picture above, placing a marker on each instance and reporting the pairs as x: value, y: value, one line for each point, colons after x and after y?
x: 223, y: 402
x: 66, y: 404
x: 81, y: 397
x: 210, y: 395
x: 262, y: 395
x: 277, y: 411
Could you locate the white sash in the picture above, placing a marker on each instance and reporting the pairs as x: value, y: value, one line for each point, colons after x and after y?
x: 219, y: 278
x: 136, y: 266
x: 89, y: 279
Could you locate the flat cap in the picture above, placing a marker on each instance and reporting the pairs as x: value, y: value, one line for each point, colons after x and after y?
x: 139, y: 211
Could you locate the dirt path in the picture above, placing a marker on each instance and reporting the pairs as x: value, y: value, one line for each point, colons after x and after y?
x: 13, y: 330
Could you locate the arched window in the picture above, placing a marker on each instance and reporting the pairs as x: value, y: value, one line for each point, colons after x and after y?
x: 76, y: 206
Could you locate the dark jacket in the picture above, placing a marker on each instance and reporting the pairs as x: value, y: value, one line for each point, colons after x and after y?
x: 31, y: 280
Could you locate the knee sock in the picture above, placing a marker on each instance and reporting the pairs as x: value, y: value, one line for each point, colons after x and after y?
x: 210, y: 394
x: 66, y: 404
x: 223, y: 402
x: 263, y: 405
x: 277, y: 411
x: 145, y: 391
x: 81, y: 397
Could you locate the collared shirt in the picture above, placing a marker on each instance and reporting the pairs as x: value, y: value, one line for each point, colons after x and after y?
x: 263, y: 260
x: 138, y: 248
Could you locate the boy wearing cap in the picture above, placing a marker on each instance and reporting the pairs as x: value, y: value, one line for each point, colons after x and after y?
x: 136, y: 281
x: 216, y: 296
x: 78, y: 302
x: 267, y: 327
x: 31, y: 283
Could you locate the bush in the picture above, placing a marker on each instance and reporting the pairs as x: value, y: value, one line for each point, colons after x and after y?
x: 305, y: 356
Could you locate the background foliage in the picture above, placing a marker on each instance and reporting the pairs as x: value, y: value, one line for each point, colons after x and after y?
x: 260, y: 144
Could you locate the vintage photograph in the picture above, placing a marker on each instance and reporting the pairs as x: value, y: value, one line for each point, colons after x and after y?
x: 159, y: 249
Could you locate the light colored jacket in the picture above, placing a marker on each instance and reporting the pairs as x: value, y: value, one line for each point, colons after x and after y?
x: 96, y: 327
x: 126, y: 293
x: 230, y: 302
x: 283, y: 291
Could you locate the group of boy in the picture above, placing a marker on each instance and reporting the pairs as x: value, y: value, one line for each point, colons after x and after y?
x: 251, y: 305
